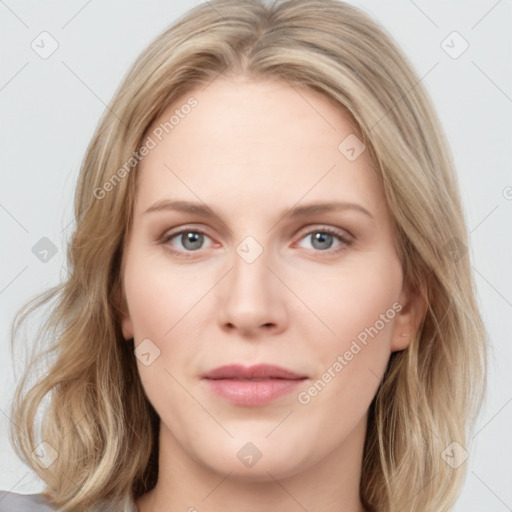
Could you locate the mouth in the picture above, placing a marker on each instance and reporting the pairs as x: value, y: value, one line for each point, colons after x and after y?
x: 252, y: 386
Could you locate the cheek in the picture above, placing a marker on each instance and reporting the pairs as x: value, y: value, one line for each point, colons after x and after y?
x: 164, y: 304
x: 161, y: 299
x: 159, y: 295
x: 355, y: 301
x: 360, y: 307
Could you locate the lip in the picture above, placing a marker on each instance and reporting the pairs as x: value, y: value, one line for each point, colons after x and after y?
x: 254, y: 385
x: 259, y: 371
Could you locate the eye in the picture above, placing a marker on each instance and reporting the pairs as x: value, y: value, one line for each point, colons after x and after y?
x: 322, y: 240
x: 186, y: 240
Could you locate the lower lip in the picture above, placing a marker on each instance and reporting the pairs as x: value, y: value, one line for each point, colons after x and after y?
x: 251, y: 393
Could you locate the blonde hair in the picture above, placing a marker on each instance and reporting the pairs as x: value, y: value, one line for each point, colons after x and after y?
x: 98, y: 418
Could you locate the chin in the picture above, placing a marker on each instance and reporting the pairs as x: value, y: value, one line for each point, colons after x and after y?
x: 260, y: 460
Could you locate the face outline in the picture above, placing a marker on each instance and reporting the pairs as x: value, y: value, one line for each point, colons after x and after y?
x: 252, y: 151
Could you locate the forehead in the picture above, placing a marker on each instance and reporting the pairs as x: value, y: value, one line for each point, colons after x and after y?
x: 248, y: 144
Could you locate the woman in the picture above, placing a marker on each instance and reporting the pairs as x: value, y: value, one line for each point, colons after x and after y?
x: 270, y: 299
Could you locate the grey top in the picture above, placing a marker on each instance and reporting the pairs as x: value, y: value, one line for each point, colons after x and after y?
x: 14, y: 502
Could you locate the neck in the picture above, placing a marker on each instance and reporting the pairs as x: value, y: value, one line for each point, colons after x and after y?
x: 186, y: 484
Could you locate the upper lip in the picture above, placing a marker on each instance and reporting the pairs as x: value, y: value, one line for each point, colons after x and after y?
x: 259, y: 371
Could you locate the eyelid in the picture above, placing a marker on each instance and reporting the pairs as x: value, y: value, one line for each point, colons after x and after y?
x: 345, y: 240
x: 172, y: 233
x: 345, y: 237
x: 321, y: 228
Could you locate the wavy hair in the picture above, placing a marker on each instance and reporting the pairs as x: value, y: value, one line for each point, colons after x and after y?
x: 97, y: 416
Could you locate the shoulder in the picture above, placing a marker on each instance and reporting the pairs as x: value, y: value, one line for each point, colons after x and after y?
x: 14, y: 502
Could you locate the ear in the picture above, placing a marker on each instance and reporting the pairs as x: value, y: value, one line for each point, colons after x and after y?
x: 126, y: 321
x: 124, y: 314
x: 409, y: 318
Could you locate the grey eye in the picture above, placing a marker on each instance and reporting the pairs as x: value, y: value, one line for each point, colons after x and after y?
x: 322, y: 240
x: 191, y: 240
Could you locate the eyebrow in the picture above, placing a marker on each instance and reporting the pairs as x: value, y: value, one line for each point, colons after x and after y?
x: 298, y: 212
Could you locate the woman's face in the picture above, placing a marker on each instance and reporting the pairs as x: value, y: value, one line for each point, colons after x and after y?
x: 228, y: 263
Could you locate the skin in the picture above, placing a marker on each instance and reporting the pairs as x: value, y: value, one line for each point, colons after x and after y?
x: 251, y: 151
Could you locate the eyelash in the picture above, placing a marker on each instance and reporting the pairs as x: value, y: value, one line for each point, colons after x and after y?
x: 345, y: 241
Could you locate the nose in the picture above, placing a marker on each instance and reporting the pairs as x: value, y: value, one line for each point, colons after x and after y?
x: 251, y: 299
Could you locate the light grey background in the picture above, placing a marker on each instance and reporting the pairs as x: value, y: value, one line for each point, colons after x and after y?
x: 50, y: 108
